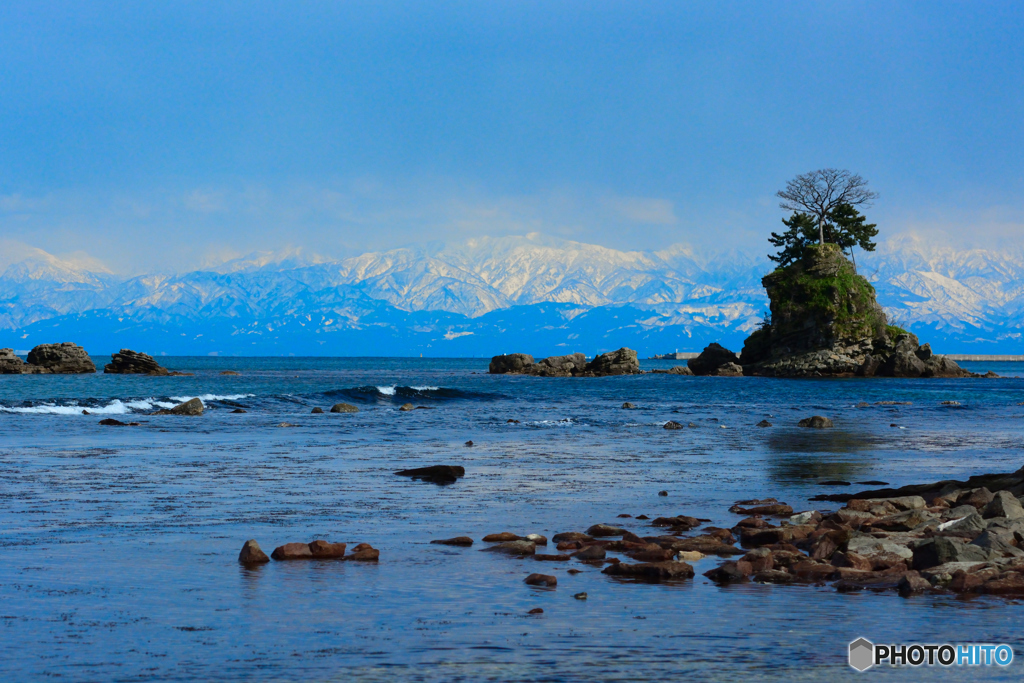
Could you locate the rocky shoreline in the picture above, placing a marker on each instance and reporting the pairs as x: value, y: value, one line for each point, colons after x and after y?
x: 68, y: 358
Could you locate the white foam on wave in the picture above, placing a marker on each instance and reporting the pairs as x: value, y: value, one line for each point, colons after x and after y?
x: 425, y: 388
x: 211, y: 397
x: 387, y: 391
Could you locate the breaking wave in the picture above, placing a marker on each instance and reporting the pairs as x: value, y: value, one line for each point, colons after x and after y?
x: 112, y: 407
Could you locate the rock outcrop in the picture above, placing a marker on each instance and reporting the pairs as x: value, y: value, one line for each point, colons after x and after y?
x: 825, y: 321
x: 621, y: 362
x: 128, y: 362
x: 47, y: 359
x: 712, y: 359
x: 191, y: 407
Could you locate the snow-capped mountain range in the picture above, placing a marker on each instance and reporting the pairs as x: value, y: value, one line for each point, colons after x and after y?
x: 480, y: 297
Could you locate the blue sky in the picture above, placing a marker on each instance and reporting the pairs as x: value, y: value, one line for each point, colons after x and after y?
x: 163, y: 134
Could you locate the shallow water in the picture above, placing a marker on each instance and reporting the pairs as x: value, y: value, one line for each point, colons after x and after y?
x: 120, y: 544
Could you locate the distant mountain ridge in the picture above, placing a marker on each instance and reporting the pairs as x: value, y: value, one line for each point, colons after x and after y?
x: 483, y: 296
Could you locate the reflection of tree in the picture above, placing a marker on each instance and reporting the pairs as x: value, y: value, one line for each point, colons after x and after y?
x: 817, y: 455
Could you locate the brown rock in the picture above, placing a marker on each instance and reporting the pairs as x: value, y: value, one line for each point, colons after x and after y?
x: 365, y: 555
x: 816, y: 422
x: 292, y: 551
x: 760, y: 559
x: 593, y: 552
x: 653, y: 571
x: 813, y: 571
x: 344, y: 408
x: 514, y: 548
x: 729, y: 572
x: 541, y: 580
x: 551, y: 558
x: 536, y: 610
x: 1009, y: 583
x: 252, y: 553
x: 458, y: 540
x: 501, y: 537
x: 322, y: 550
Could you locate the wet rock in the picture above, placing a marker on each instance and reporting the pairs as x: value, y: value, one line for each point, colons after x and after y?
x: 406, y: 407
x: 651, y: 553
x: 652, y: 571
x: 317, y: 411
x: 322, y: 550
x: 760, y: 559
x: 191, y: 407
x: 252, y: 553
x: 469, y: 444
x: 730, y: 572
x: 513, y: 363
x: 541, y: 557
x: 713, y: 357
x: 851, y: 560
x: 292, y: 551
x: 604, y: 530
x: 346, y: 408
x: 437, y: 474
x: 772, y: 576
x: 680, y: 522
x: 1010, y: 583
x: 111, y: 422
x: 580, y: 596
x: 502, y: 537
x: 541, y: 580
x: 628, y: 406
x: 810, y: 570
x: 816, y: 422
x: 763, y: 423
x: 707, y: 545
x: 536, y: 610
x: 773, y: 509
x: 230, y: 372
x: 458, y: 540
x: 680, y: 370
x: 593, y: 552
x: 537, y: 539
x: 571, y: 536
x: 1003, y: 504
x: 128, y: 362
x: 60, y: 359
x: 943, y: 549
x: 238, y: 411
x: 364, y: 554
x: 672, y: 424
x: 513, y: 548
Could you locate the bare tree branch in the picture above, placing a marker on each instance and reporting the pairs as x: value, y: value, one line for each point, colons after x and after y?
x: 819, y: 192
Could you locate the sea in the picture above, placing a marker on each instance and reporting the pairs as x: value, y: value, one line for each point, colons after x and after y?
x: 119, y: 545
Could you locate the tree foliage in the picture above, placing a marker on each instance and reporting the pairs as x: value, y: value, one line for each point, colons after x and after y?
x: 843, y: 226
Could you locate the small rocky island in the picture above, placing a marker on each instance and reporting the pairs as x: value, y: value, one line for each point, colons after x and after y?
x: 825, y: 322
x: 621, y: 362
x: 48, y: 359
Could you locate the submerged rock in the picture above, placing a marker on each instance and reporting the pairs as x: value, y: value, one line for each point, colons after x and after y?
x: 128, y: 362
x: 513, y: 548
x: 816, y: 422
x: 344, y: 408
x: 463, y: 541
x: 406, y: 407
x: 438, y: 474
x: 111, y: 422
x: 672, y: 424
x: 191, y: 407
x: 317, y: 411
x: 541, y: 580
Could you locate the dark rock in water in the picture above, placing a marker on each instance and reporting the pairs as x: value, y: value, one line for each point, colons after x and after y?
x: 621, y: 362
x: 239, y: 410
x: 541, y: 580
x: 230, y: 372
x: 502, y: 537
x: 570, y: 536
x: 128, y: 362
x: 406, y: 407
x: 322, y: 550
x: 513, y: 548
x: 816, y: 422
x: 60, y: 359
x: 191, y: 407
x: 592, y: 552
x: 439, y: 474
x: 344, y: 408
x: 11, y: 364
x: 680, y: 370
x: 463, y: 541
x: 552, y: 558
x: 111, y: 422
x: 660, y: 493
x: 511, y: 364
x: 252, y: 553
x: 763, y: 423
x: 317, y: 411
x: 469, y: 444
x: 292, y: 551
x: 834, y: 482
x: 713, y: 357
x: 602, y: 530
x: 652, y: 571
x: 536, y: 610
x: 672, y: 424
x: 628, y: 406
x: 729, y: 370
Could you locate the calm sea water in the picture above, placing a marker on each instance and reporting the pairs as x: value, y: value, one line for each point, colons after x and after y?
x: 119, y: 545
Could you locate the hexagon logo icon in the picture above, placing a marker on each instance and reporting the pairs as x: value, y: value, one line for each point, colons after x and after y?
x: 862, y: 654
